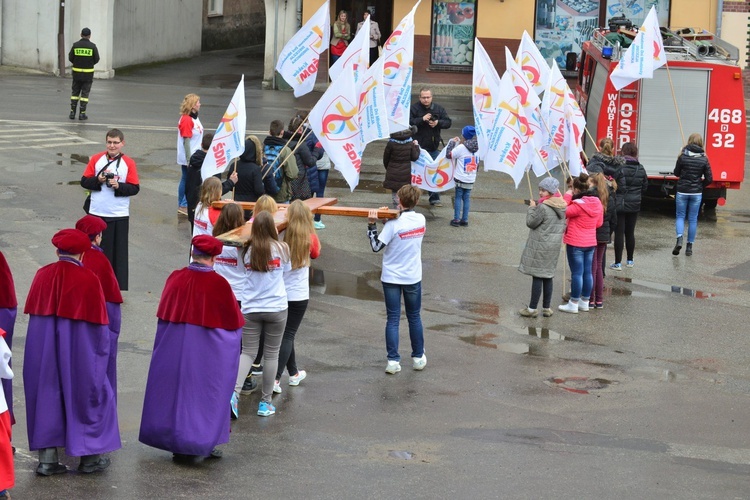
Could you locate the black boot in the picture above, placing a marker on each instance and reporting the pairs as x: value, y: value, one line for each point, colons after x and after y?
x: 82, y: 115
x: 678, y: 246
x: 73, y: 106
x: 689, y: 249
x: 48, y: 464
x: 93, y: 463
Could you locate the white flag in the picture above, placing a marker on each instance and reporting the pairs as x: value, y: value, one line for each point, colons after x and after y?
x: 356, y: 55
x: 398, y: 66
x: 229, y: 139
x: 298, y: 61
x: 576, y: 123
x: 485, y: 95
x: 644, y: 55
x: 508, y: 148
x: 433, y: 175
x: 532, y: 63
x: 530, y: 102
x: 553, y: 114
x: 373, y: 120
x: 335, y: 122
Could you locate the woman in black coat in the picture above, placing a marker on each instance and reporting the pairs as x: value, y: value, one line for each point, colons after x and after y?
x: 249, y: 185
x: 694, y: 174
x: 400, y: 151
x: 636, y: 183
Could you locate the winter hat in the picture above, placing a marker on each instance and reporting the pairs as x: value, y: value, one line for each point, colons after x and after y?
x: 549, y: 184
x: 85, y: 32
x: 468, y: 132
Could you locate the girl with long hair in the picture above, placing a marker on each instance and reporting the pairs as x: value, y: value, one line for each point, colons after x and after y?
x: 189, y: 137
x: 205, y: 214
x: 303, y: 246
x: 605, y: 191
x: 584, y: 215
x: 264, y: 305
x: 694, y: 173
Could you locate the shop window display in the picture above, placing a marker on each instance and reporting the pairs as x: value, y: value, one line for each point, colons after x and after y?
x: 453, y: 31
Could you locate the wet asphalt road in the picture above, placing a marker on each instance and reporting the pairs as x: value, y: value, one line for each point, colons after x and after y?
x: 647, y: 398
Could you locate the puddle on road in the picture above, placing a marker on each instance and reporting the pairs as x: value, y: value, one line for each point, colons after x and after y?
x: 579, y: 385
x: 402, y: 455
x: 345, y: 284
x: 485, y: 340
x: 688, y: 292
x: 544, y: 333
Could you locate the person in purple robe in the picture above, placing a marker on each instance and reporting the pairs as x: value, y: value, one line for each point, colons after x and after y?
x: 99, y: 264
x: 195, y: 360
x: 8, y: 308
x: 69, y: 399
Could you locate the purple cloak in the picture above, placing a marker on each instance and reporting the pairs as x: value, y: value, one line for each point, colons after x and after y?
x: 190, y: 383
x: 69, y: 400
x: 115, y: 320
x: 7, y: 322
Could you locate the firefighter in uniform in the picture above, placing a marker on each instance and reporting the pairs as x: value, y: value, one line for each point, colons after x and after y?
x: 83, y: 55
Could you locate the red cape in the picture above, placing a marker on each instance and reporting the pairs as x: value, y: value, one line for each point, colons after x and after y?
x: 7, y: 289
x: 199, y: 298
x: 95, y: 260
x: 67, y: 290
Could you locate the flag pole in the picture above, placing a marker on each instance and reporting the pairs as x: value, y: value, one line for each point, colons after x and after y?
x: 235, y: 171
x: 287, y: 144
x: 674, y: 99
x: 528, y: 178
x: 591, y: 138
x: 301, y: 141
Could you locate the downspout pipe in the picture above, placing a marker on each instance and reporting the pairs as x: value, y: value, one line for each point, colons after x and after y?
x: 719, y: 15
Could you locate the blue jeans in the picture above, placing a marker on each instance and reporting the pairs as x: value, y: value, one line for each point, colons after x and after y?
x: 181, y: 188
x: 462, y: 200
x: 322, y: 180
x: 689, y: 204
x: 581, y: 279
x: 413, y: 305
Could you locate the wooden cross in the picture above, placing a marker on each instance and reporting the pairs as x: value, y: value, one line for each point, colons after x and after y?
x: 240, y: 236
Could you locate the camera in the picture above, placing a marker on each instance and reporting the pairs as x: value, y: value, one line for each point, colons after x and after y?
x: 109, y: 176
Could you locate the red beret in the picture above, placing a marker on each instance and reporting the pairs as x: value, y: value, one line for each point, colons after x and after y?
x: 207, y: 245
x: 91, y: 225
x: 71, y: 241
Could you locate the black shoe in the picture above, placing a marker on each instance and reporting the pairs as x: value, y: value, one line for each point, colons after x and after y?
x: 249, y: 386
x: 256, y: 370
x: 455, y: 222
x: 216, y: 453
x: 51, y: 469
x: 72, y: 115
x: 677, y: 247
x: 98, y: 466
x: 464, y: 223
x: 689, y: 249
x: 185, y: 459
x: 83, y: 116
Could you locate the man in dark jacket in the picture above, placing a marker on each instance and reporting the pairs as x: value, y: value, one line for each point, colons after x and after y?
x: 429, y: 118
x: 194, y: 179
x: 83, y: 56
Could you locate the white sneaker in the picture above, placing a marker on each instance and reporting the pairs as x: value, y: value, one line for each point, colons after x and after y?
x: 583, y: 305
x: 301, y: 374
x: 276, y: 387
x: 319, y: 224
x: 570, y: 307
x: 393, y: 367
x: 419, y: 363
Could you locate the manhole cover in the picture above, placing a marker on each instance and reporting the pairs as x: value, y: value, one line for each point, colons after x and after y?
x: 579, y: 385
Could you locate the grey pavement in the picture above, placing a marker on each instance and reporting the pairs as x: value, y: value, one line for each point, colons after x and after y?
x: 647, y: 398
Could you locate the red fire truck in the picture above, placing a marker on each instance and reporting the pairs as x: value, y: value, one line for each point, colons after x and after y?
x: 707, y: 85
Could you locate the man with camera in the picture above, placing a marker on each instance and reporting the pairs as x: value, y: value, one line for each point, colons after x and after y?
x: 429, y: 118
x: 112, y: 178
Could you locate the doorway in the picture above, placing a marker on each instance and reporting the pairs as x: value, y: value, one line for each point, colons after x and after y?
x: 381, y: 11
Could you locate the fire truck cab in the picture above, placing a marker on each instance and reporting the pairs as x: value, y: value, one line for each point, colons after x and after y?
x: 701, y: 80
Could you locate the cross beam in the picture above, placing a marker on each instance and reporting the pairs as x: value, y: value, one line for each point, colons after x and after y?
x: 242, y: 235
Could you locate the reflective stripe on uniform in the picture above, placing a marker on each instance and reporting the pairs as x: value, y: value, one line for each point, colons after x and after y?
x: 80, y: 70
x: 74, y: 98
x: 84, y: 99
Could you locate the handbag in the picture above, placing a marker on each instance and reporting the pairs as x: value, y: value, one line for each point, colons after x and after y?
x: 87, y: 202
x: 339, y: 48
x: 301, y: 186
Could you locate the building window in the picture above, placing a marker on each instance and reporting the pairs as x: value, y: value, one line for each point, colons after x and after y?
x: 215, y: 8
x: 453, y: 31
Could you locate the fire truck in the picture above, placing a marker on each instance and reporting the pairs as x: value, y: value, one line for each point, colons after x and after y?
x: 703, y: 76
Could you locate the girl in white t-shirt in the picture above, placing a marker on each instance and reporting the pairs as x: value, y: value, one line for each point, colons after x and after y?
x: 303, y: 246
x: 264, y: 305
x: 227, y: 263
x: 205, y: 214
x: 402, y: 274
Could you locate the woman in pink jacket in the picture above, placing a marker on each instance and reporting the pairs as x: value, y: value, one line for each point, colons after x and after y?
x: 584, y: 215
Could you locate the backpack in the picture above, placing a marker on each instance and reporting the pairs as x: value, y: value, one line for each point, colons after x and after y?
x: 271, y: 162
